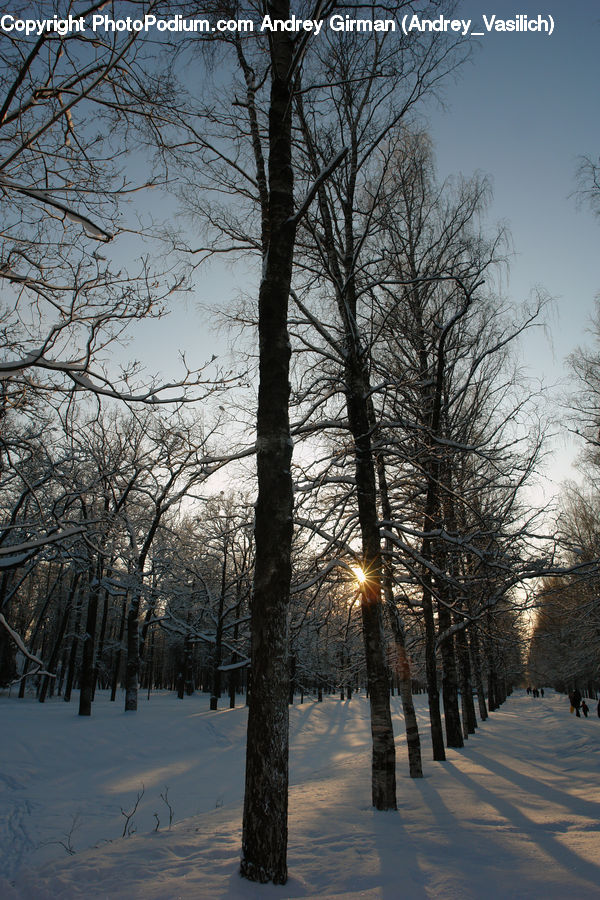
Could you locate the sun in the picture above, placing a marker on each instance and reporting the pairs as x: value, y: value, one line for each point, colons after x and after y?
x: 359, y: 574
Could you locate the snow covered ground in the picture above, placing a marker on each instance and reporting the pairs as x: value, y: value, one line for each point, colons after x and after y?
x: 516, y: 814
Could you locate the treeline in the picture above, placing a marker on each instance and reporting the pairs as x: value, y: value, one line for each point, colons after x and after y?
x: 565, y: 642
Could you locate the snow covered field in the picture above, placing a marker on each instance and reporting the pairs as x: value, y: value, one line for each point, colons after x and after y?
x: 516, y: 814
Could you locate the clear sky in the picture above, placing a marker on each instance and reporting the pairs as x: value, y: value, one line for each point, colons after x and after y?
x: 523, y: 110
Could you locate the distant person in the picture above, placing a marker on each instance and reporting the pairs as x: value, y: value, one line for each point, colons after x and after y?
x: 542, y: 692
x: 584, y: 708
x: 576, y: 702
x: 528, y: 688
x: 599, y: 709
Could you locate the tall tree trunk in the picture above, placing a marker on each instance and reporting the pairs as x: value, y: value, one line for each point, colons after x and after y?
x: 89, y: 643
x: 452, y: 721
x: 446, y: 559
x: 466, y: 686
x: 59, y: 637
x: 454, y: 737
x: 383, y: 772
x: 132, y: 665
x: 55, y: 653
x: 431, y: 421
x: 119, y: 654
x: 101, y: 639
x: 74, y: 646
x: 490, y: 654
x: 433, y: 694
x: 188, y: 667
x: 38, y: 625
x: 433, y: 520
x: 413, y: 741
x: 218, y: 657
x: 492, y: 690
x: 264, y: 830
x: 477, y: 671
x: 150, y: 669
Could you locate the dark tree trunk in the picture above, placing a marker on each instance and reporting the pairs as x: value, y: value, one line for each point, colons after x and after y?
x: 413, y: 741
x: 433, y: 694
x: 447, y: 563
x: 264, y: 831
x: 119, y: 654
x: 101, y: 639
x: 432, y: 521
x: 233, y: 676
x: 452, y: 721
x: 38, y: 625
x: 132, y: 666
x: 218, y: 657
x: 59, y: 638
x: 63, y: 671
x: 89, y: 643
x: 476, y: 663
x: 188, y: 667
x: 492, y: 702
x: 432, y: 403
x: 73, y: 650
x: 292, y: 686
x: 383, y: 768
x: 466, y: 686
x: 383, y: 773
x: 150, y: 670
x: 55, y: 654
x: 493, y: 677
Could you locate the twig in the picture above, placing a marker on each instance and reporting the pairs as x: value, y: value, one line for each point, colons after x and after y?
x: 127, y: 830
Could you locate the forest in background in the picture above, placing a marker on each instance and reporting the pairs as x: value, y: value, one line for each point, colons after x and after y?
x: 397, y: 548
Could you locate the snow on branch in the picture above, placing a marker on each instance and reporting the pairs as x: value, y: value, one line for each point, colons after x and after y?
x: 15, y: 555
x: 241, y: 664
x: 312, y: 191
x: 19, y: 642
x: 322, y: 573
x: 91, y: 229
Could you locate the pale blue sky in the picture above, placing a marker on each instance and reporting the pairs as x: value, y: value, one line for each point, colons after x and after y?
x: 523, y: 111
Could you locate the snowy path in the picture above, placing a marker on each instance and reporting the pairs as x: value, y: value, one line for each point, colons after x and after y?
x: 516, y: 814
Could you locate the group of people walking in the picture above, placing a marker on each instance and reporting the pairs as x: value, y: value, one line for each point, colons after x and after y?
x: 535, y: 692
x: 578, y: 703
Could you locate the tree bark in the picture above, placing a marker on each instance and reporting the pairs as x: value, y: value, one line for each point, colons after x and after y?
x: 264, y: 830
x: 117, y: 662
x: 452, y: 721
x: 466, y: 686
x: 132, y: 666
x: 433, y: 694
x: 413, y: 741
x: 73, y: 650
x: 218, y: 653
x: 89, y: 642
x: 383, y: 771
x: 59, y: 637
x: 476, y: 661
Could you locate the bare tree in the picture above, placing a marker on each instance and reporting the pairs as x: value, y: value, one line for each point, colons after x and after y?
x: 373, y: 86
